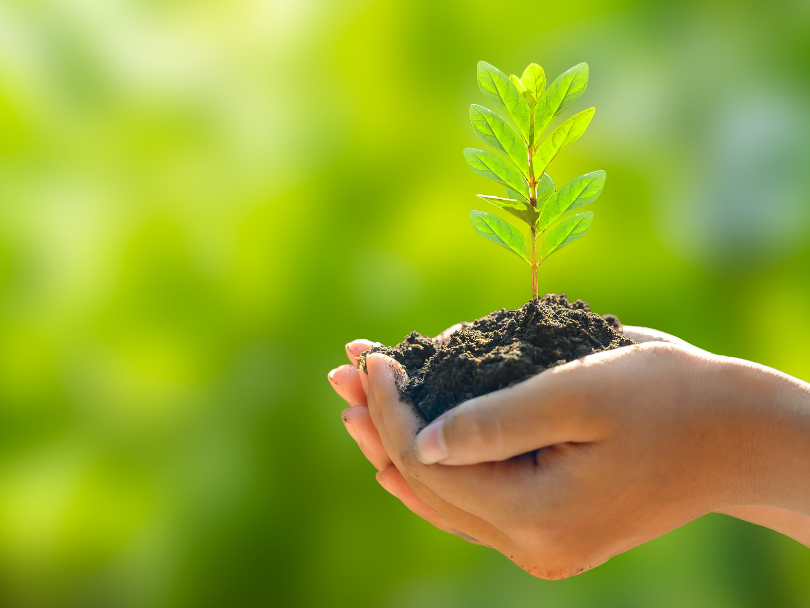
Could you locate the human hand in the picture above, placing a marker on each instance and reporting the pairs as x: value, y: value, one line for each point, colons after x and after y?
x: 639, y: 497
x: 351, y: 385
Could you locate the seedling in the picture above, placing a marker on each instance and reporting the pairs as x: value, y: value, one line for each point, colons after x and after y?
x: 530, y: 192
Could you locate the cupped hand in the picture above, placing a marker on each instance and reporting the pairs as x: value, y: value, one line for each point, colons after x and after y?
x: 351, y: 385
x: 572, y: 466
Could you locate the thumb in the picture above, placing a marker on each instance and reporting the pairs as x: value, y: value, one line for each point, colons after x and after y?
x: 545, y: 410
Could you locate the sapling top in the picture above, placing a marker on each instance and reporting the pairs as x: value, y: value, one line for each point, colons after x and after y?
x: 530, y: 192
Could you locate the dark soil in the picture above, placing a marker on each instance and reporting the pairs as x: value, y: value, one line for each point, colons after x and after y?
x: 499, y: 350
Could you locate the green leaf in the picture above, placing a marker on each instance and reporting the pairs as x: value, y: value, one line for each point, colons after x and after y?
x: 526, y: 95
x: 518, y: 208
x: 498, y: 231
x: 562, y: 137
x: 575, y: 194
x: 565, y: 232
x: 516, y: 81
x: 534, y: 81
x: 497, y: 133
x: 497, y: 86
x: 493, y: 167
x: 512, y: 194
x: 545, y: 188
x: 561, y: 94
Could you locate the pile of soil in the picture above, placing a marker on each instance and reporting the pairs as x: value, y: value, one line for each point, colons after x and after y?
x: 499, y: 350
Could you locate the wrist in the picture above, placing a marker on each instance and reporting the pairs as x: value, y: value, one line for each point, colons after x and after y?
x: 771, y: 419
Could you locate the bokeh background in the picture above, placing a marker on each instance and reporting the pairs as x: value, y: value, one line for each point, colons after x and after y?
x: 201, y: 202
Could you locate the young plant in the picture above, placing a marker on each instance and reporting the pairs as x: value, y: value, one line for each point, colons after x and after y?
x: 530, y: 192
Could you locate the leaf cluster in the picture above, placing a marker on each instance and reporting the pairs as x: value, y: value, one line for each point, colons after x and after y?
x: 531, y: 195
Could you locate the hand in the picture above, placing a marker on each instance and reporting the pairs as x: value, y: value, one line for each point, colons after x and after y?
x: 351, y: 386
x: 616, y: 454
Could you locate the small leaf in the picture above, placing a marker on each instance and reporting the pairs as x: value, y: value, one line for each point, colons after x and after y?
x: 497, y: 86
x: 497, y: 133
x: 498, y: 231
x: 518, y: 208
x: 561, y: 94
x: 516, y: 81
x: 565, y: 232
x: 526, y: 94
x: 575, y: 194
x: 562, y: 137
x: 512, y: 194
x: 534, y: 81
x: 545, y: 188
x: 493, y: 167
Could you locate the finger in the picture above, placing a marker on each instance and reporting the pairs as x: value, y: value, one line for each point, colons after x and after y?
x: 355, y: 348
x: 394, y: 483
x: 646, y: 334
x: 445, y: 335
x: 358, y: 424
x: 548, y: 409
x: 346, y: 382
x: 363, y: 374
x: 467, y: 524
x: 480, y: 492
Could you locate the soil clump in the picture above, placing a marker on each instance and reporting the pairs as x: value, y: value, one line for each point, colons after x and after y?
x: 499, y: 350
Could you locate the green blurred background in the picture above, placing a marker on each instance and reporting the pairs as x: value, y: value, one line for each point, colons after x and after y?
x: 201, y: 202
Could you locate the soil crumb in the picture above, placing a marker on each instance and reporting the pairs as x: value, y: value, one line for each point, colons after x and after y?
x: 499, y: 350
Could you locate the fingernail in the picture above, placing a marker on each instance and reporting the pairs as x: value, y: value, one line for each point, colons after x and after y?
x: 429, y: 446
x: 356, y: 347
x: 331, y: 375
x: 350, y: 428
x: 380, y: 481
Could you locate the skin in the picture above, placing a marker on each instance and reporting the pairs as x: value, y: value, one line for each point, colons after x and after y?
x: 589, y: 459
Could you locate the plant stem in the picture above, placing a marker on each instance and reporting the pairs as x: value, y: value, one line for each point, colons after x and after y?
x: 533, y: 201
x: 534, y: 264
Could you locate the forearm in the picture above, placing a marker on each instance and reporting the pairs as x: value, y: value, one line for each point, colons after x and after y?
x: 794, y: 525
x: 775, y: 409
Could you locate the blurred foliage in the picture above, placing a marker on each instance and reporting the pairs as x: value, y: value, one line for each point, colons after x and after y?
x: 200, y: 203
